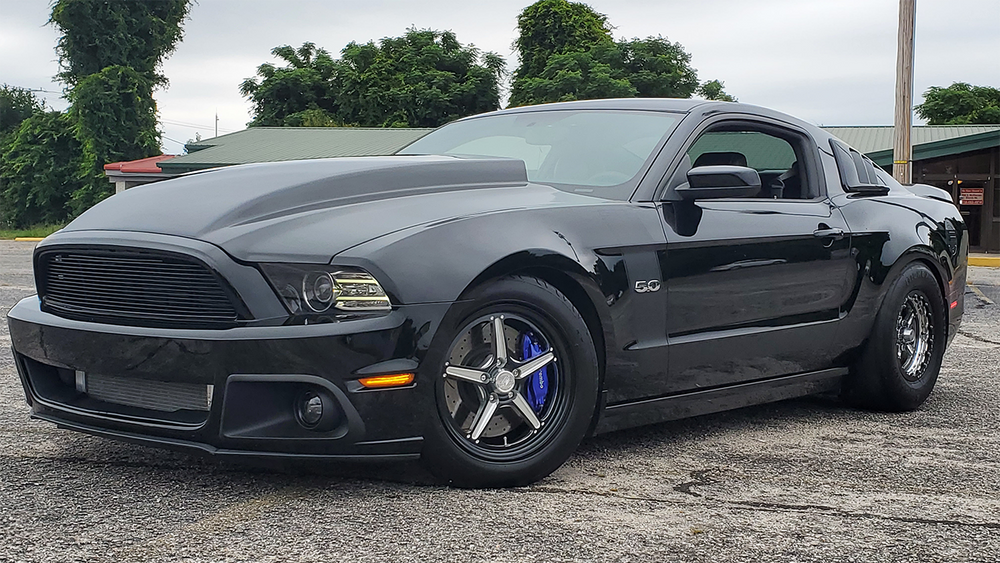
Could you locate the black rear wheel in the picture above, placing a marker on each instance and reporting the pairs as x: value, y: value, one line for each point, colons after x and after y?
x: 516, y: 388
x: 900, y: 365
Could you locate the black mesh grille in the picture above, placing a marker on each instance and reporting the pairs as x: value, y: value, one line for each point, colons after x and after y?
x: 134, y: 287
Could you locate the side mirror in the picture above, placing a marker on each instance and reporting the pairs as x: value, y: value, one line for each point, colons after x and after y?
x: 712, y: 182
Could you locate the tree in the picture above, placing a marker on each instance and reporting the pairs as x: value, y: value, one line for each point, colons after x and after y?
x: 651, y: 67
x: 16, y: 105
x: 714, y: 90
x: 555, y: 27
x: 657, y: 68
x: 298, y: 93
x: 575, y: 76
x: 115, y: 119
x: 39, y: 171
x: 102, y: 33
x: 110, y: 53
x: 567, y: 53
x: 960, y: 104
x: 422, y: 79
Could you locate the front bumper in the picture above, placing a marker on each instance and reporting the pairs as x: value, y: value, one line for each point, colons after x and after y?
x: 253, y: 371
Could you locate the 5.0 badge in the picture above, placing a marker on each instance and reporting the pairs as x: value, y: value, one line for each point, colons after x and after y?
x: 647, y: 286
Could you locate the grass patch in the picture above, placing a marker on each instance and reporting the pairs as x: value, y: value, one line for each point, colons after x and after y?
x: 36, y: 231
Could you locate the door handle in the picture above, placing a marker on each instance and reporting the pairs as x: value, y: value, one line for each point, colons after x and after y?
x: 827, y: 232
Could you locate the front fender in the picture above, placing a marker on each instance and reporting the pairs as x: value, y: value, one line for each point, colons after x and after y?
x: 439, y: 262
x: 581, y: 250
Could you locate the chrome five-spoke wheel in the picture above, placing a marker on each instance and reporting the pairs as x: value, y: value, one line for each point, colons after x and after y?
x: 516, y: 388
x: 501, y: 382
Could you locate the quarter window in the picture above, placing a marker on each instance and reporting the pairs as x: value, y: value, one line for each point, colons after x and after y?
x: 857, y: 172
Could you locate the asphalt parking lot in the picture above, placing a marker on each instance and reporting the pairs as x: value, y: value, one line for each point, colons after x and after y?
x: 804, y: 480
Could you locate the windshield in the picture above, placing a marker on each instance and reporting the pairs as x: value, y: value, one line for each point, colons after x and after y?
x: 590, y: 151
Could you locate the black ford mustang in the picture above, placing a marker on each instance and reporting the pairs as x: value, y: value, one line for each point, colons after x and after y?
x: 503, y: 287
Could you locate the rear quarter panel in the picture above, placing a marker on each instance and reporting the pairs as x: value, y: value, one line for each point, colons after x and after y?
x: 888, y: 233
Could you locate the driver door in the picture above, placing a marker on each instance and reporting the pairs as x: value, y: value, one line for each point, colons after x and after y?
x: 755, y: 284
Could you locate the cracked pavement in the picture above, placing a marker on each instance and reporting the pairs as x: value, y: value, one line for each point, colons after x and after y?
x: 802, y: 480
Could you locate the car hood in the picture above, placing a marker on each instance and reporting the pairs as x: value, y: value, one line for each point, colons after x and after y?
x: 308, y: 211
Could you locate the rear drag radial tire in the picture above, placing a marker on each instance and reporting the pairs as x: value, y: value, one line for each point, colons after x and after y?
x: 459, y: 464
x: 877, y: 381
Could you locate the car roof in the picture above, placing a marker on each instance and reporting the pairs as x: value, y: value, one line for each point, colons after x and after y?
x: 674, y: 105
x: 677, y: 105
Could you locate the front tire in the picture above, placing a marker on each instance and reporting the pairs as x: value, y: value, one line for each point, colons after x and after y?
x: 510, y: 409
x: 902, y: 359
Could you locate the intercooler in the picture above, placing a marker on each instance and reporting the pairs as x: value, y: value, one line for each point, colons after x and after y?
x: 164, y: 396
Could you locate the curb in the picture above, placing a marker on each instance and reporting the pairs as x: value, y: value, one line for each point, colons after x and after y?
x: 985, y: 261
x: 39, y: 239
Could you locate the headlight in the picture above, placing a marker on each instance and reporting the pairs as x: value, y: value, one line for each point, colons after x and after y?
x: 309, y: 289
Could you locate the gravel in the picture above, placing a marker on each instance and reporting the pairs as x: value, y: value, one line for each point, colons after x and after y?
x: 802, y: 480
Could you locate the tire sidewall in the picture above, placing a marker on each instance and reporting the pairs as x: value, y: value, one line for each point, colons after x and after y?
x: 892, y: 390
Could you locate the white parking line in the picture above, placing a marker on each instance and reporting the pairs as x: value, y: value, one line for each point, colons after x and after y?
x: 980, y: 293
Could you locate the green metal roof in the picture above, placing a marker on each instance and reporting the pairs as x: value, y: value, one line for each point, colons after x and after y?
x: 273, y: 144
x: 929, y: 141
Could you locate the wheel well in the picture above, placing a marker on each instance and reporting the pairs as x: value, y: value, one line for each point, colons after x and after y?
x: 935, y: 269
x: 567, y: 284
x: 577, y: 295
x: 572, y: 287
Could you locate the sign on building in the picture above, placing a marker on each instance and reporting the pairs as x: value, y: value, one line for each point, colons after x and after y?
x: 970, y: 196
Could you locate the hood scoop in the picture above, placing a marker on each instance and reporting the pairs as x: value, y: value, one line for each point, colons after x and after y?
x: 198, y: 204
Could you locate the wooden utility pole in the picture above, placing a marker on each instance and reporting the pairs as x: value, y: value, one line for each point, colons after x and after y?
x: 902, y: 149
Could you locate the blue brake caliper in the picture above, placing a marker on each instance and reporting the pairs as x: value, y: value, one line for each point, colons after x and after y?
x: 538, y: 383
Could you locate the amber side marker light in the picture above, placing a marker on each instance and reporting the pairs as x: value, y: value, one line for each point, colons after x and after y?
x: 392, y: 380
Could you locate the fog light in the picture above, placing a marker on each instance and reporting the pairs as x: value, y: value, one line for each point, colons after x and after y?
x: 309, y: 409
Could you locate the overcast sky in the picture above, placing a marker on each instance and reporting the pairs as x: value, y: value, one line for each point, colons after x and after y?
x: 830, y: 62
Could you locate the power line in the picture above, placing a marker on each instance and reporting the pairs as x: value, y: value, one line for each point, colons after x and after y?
x: 34, y: 89
x: 45, y: 100
x: 174, y: 140
x: 195, y: 125
x: 186, y: 124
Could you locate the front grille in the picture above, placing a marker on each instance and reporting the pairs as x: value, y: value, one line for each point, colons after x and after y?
x: 134, y: 287
x: 164, y: 396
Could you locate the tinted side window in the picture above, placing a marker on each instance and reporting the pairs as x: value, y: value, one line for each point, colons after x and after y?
x: 759, y: 151
x: 773, y: 158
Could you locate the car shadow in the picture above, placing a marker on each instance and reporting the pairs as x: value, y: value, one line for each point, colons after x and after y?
x: 98, y: 452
